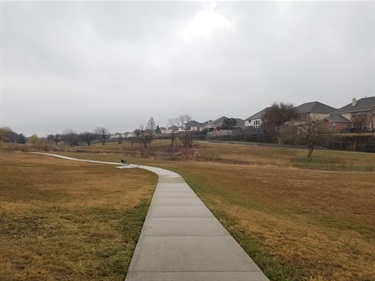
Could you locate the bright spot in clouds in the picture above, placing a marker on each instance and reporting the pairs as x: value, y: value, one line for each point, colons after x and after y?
x: 206, y: 24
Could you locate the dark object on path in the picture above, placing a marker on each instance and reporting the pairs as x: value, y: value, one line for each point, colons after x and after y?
x: 124, y: 162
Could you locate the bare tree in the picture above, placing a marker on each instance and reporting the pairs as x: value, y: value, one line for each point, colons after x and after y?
x: 151, y: 125
x: 102, y: 134
x: 187, y: 139
x: 180, y: 121
x: 276, y: 115
x: 88, y: 137
x: 70, y: 137
x: 359, y: 123
x: 173, y: 138
x: 311, y: 133
x: 55, y: 138
x: 120, y: 138
x: 143, y: 137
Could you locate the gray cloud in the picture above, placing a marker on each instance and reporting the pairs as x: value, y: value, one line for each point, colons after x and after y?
x: 115, y: 64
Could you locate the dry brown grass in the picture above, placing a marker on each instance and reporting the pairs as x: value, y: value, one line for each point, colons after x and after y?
x: 287, y: 156
x: 64, y: 220
x: 300, y: 221
x: 318, y: 222
x: 319, y: 225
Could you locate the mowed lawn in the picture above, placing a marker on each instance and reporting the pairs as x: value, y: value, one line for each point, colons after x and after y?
x: 66, y: 220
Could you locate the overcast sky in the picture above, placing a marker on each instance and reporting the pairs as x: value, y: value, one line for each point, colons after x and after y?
x: 79, y: 65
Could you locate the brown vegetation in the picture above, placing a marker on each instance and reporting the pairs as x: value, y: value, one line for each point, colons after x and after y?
x: 318, y: 225
x: 64, y: 220
x: 299, y: 220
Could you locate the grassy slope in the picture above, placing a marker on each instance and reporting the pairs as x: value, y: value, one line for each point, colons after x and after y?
x: 62, y: 220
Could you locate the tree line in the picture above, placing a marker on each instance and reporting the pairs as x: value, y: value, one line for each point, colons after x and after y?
x: 70, y: 137
x: 277, y: 126
x: 144, y: 135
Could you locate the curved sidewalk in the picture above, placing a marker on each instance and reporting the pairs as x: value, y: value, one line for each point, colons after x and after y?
x: 181, y: 240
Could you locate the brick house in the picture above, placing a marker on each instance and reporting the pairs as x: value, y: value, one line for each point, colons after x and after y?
x: 336, y: 123
x: 314, y: 111
x: 360, y: 113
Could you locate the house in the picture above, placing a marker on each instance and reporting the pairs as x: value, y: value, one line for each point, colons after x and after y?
x: 163, y: 130
x: 361, y: 113
x: 240, y: 123
x: 194, y: 126
x: 336, y: 122
x: 171, y: 129
x: 129, y: 135
x: 255, y: 120
x: 314, y: 111
x: 119, y: 135
x: 218, y: 123
x: 215, y: 123
x: 115, y: 136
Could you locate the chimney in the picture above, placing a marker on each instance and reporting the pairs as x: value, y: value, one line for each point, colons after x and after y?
x: 354, y: 102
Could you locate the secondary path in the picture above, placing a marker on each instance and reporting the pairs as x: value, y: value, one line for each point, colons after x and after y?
x: 181, y: 240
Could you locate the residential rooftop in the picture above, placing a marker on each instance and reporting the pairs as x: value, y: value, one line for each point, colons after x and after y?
x: 257, y: 115
x: 363, y: 104
x: 315, y: 107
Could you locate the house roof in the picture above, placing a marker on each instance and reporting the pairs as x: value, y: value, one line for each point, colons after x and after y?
x: 337, y: 118
x: 315, y: 107
x: 364, y: 104
x: 240, y: 122
x: 173, y: 127
x: 257, y: 115
x: 219, y: 122
x: 194, y: 123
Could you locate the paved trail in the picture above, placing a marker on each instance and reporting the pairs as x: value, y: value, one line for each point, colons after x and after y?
x: 181, y: 240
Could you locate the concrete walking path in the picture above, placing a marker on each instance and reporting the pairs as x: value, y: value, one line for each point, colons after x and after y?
x: 181, y: 240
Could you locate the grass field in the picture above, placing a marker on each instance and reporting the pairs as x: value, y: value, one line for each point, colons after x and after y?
x: 297, y: 220
x: 65, y: 220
